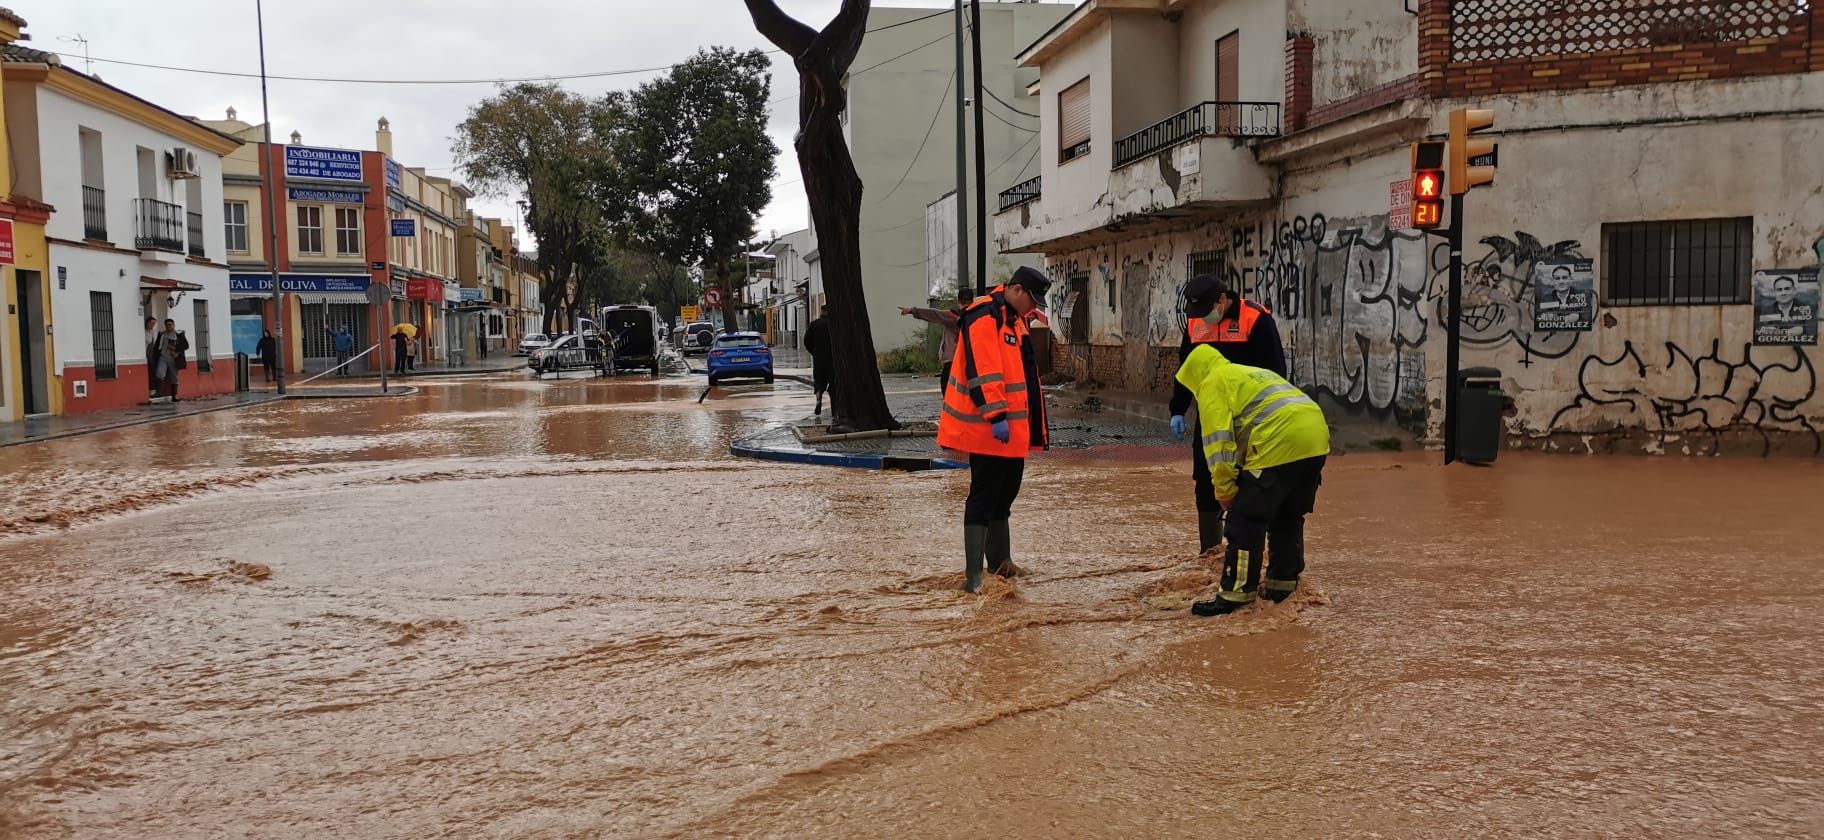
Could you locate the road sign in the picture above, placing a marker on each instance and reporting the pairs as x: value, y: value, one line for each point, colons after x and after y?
x: 379, y: 294
x: 1490, y: 159
x: 713, y: 297
x: 687, y: 313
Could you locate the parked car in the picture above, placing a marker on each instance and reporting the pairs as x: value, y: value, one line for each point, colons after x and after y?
x: 696, y: 337
x: 533, y: 342
x: 571, y: 352
x: 740, y: 355
x: 636, y: 336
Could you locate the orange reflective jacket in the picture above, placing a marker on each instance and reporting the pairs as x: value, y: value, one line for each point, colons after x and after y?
x: 993, y: 377
x: 1211, y: 330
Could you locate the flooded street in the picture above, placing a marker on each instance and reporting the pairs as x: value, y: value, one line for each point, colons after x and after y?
x: 507, y: 608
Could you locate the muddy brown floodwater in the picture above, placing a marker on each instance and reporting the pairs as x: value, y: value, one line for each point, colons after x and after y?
x: 552, y: 610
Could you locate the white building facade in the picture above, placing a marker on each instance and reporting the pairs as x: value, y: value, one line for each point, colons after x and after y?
x: 1267, y: 142
x: 142, y: 236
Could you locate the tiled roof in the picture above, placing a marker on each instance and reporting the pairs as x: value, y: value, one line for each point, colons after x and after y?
x: 19, y: 54
x: 8, y: 16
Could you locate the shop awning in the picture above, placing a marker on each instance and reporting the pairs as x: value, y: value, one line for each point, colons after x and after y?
x: 160, y: 284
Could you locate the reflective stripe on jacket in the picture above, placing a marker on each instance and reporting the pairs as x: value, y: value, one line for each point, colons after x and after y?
x: 1250, y: 418
x: 992, y: 377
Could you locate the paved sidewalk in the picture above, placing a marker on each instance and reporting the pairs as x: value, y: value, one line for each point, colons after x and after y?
x: 915, y: 401
x: 54, y: 428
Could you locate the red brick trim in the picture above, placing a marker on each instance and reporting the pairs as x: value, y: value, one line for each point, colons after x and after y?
x: 1414, y: 86
x: 1299, y: 69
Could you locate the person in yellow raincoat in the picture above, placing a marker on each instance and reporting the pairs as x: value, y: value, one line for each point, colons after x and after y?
x: 1265, y: 443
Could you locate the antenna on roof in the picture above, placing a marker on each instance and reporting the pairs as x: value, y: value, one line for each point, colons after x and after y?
x: 88, y: 67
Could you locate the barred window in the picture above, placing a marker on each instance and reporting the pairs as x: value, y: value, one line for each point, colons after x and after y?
x: 201, y: 310
x: 1687, y: 262
x: 101, y: 333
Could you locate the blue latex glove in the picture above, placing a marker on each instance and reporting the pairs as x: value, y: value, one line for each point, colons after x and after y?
x: 1178, y: 426
x: 1001, y: 432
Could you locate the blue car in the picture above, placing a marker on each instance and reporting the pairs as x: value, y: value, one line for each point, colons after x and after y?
x: 742, y: 355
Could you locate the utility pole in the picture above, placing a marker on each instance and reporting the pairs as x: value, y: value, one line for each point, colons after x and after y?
x: 962, y: 162
x: 981, y: 157
x: 271, y: 183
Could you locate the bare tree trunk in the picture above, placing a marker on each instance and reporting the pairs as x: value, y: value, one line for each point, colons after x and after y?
x: 728, y: 294
x: 834, y: 188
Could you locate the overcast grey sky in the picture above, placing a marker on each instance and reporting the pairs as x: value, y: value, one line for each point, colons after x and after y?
x: 410, y: 39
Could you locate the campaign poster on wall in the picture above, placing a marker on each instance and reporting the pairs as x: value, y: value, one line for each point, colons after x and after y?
x: 1786, y: 306
x: 1564, y: 295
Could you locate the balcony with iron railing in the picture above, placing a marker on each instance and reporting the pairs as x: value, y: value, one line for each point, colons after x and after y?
x: 94, y: 213
x: 1205, y: 119
x: 159, y: 226
x: 193, y: 226
x: 1020, y: 193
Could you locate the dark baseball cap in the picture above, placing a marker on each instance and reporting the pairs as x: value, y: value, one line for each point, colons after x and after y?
x: 1033, y: 281
x: 1204, y: 287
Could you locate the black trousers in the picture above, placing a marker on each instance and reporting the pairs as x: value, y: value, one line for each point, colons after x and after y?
x: 1200, y: 473
x: 822, y: 371
x: 994, y: 482
x: 1269, y: 511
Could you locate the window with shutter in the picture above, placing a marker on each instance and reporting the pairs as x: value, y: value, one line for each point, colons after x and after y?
x: 1073, y: 121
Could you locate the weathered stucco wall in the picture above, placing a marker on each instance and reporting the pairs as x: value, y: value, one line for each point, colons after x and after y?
x: 1362, y: 311
x: 1358, y: 46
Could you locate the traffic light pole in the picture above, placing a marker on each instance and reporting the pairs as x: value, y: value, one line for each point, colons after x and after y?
x: 1451, y: 324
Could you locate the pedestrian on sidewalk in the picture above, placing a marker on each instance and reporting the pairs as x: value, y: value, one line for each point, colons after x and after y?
x: 411, y: 352
x: 817, y: 341
x: 1265, y: 444
x: 151, y: 357
x: 1244, y: 333
x: 345, y: 347
x: 172, y: 345
x: 268, y: 349
x: 399, y: 342
x: 995, y: 411
x: 948, y: 319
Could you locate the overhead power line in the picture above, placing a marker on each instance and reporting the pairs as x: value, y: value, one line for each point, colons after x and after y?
x: 921, y: 144
x: 1005, y: 104
x: 499, y: 80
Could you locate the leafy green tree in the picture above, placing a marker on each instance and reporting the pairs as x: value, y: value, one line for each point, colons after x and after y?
x: 552, y: 148
x: 697, y: 161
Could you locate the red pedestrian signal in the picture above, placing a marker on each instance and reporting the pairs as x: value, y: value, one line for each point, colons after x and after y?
x: 1428, y: 183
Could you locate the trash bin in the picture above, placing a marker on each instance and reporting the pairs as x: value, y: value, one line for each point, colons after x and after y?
x: 241, y: 377
x: 1479, y: 407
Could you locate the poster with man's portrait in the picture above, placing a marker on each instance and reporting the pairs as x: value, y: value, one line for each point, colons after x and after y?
x: 1564, y: 295
x: 1786, y: 306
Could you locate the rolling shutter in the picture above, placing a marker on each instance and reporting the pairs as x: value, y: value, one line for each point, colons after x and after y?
x: 1073, y: 119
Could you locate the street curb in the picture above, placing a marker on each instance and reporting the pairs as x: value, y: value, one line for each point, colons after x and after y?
x: 802, y: 380
x: 402, y: 391
x: 143, y: 421
x: 742, y: 449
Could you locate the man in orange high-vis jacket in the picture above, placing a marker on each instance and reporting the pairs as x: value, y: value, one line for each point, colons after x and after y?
x: 994, y: 411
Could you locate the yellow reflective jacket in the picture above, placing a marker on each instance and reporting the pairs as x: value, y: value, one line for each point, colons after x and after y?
x: 1250, y: 418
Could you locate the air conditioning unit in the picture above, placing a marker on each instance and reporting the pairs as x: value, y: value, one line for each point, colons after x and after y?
x: 183, y: 163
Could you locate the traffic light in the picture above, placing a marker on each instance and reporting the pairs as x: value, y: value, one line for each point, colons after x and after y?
x: 1464, y: 150
x: 1427, y: 185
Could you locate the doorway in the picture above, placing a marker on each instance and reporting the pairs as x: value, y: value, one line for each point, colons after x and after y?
x: 1228, y: 84
x: 32, y: 353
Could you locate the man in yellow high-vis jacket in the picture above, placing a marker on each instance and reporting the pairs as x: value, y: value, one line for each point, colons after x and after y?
x: 1265, y: 443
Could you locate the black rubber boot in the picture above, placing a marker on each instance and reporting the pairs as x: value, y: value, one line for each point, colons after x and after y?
x: 975, y: 547
x: 1278, y: 590
x: 1218, y: 606
x: 1000, y: 549
x: 1209, y: 530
